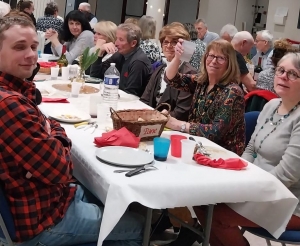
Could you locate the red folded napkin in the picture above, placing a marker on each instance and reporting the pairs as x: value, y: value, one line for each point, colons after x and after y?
x: 121, y: 137
x: 55, y: 100
x: 231, y: 163
x: 48, y: 64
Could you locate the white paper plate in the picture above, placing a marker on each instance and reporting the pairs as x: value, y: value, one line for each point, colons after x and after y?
x: 70, y: 117
x: 124, y: 156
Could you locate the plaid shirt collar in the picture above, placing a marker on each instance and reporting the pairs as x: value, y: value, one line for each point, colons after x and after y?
x: 21, y: 86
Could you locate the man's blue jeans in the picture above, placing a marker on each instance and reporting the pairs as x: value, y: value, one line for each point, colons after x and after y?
x: 81, y: 224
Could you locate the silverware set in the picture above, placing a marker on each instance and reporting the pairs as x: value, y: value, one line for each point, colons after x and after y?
x: 200, y: 147
x: 89, y: 125
x: 138, y: 170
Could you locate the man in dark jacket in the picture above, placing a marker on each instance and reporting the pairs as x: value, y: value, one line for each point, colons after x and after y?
x: 134, y: 66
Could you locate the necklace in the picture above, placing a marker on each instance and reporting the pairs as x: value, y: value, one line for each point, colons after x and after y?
x: 272, y: 123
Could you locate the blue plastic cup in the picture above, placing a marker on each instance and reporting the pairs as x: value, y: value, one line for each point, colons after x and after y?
x: 161, y: 148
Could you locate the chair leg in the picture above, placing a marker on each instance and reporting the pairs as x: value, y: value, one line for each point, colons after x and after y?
x: 283, y: 244
x: 268, y: 242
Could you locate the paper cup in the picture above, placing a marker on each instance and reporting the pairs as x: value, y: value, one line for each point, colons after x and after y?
x: 65, y: 73
x: 76, y: 86
x: 54, y: 72
x: 94, y: 100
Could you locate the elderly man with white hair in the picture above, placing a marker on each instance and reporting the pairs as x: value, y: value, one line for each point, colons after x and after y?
x: 264, y: 46
x: 86, y: 9
x: 4, y: 9
x: 228, y: 31
x: 242, y: 43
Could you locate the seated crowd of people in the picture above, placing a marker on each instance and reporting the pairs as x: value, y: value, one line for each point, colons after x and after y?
x: 207, y: 98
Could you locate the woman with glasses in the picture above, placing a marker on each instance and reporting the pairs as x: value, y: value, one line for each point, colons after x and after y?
x: 217, y: 110
x: 274, y: 147
x: 157, y: 91
x: 265, y: 80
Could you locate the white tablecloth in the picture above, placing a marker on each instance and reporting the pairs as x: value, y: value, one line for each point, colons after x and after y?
x: 253, y: 193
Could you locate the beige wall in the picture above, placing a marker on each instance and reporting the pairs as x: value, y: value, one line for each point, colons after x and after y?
x: 289, y: 30
x: 61, y: 7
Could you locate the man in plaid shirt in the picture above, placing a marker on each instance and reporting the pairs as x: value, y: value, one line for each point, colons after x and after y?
x: 36, y: 167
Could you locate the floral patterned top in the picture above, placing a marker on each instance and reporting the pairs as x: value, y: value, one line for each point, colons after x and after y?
x: 265, y: 80
x: 217, y: 115
x: 195, y: 60
x: 151, y: 49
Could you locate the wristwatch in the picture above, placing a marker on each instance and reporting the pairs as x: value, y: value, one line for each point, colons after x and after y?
x: 183, y: 127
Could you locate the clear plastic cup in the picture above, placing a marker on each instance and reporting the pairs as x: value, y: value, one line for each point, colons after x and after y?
x: 187, y: 152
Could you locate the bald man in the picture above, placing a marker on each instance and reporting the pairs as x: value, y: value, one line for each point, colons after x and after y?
x: 86, y: 9
x: 4, y: 9
x: 242, y: 42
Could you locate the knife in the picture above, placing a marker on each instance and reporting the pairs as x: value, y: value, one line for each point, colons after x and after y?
x: 139, y: 170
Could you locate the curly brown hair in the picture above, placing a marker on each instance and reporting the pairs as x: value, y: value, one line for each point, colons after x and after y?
x: 281, y: 47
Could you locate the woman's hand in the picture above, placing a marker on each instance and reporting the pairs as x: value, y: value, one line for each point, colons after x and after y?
x: 173, y: 123
x: 109, y: 48
x: 176, y: 125
x: 51, y: 34
x: 179, y: 49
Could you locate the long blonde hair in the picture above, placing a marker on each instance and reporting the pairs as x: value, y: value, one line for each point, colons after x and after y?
x: 108, y: 29
x: 232, y: 74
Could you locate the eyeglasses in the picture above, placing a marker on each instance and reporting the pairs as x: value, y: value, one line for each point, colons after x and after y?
x: 292, y: 75
x: 259, y: 40
x: 172, y: 43
x: 220, y: 59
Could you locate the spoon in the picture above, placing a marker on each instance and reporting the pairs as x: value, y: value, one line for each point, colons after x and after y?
x: 200, y: 145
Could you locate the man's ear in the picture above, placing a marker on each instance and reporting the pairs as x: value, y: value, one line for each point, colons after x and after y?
x: 133, y: 43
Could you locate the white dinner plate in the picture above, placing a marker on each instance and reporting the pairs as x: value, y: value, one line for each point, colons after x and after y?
x: 124, y: 156
x: 70, y: 117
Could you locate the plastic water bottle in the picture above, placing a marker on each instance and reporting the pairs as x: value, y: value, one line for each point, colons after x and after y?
x: 111, y: 86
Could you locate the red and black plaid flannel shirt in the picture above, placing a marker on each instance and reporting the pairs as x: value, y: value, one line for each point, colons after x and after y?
x: 36, y: 166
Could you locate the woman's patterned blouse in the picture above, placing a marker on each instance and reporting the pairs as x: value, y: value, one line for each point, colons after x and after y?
x: 195, y: 60
x: 217, y: 115
x: 47, y: 22
x: 265, y: 80
x: 151, y: 49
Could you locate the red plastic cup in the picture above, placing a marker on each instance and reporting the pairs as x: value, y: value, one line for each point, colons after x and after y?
x: 176, y: 145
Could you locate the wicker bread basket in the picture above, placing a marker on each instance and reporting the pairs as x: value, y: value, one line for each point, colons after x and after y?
x: 146, y: 124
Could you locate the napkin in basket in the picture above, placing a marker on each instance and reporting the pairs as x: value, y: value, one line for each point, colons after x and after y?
x: 121, y: 137
x: 55, y: 100
x: 230, y: 163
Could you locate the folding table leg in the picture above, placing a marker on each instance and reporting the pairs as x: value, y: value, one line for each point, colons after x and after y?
x: 147, y: 229
x: 209, y: 214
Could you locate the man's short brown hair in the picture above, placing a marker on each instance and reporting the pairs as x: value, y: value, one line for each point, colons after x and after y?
x: 8, y: 22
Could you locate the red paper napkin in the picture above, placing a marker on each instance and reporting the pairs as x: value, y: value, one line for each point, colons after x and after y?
x: 48, y: 64
x: 231, y: 163
x: 55, y: 100
x: 121, y: 137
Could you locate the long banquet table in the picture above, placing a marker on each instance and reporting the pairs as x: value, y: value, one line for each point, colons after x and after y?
x: 254, y: 193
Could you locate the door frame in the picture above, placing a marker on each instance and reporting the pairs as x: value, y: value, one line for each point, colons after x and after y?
x: 124, y: 14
